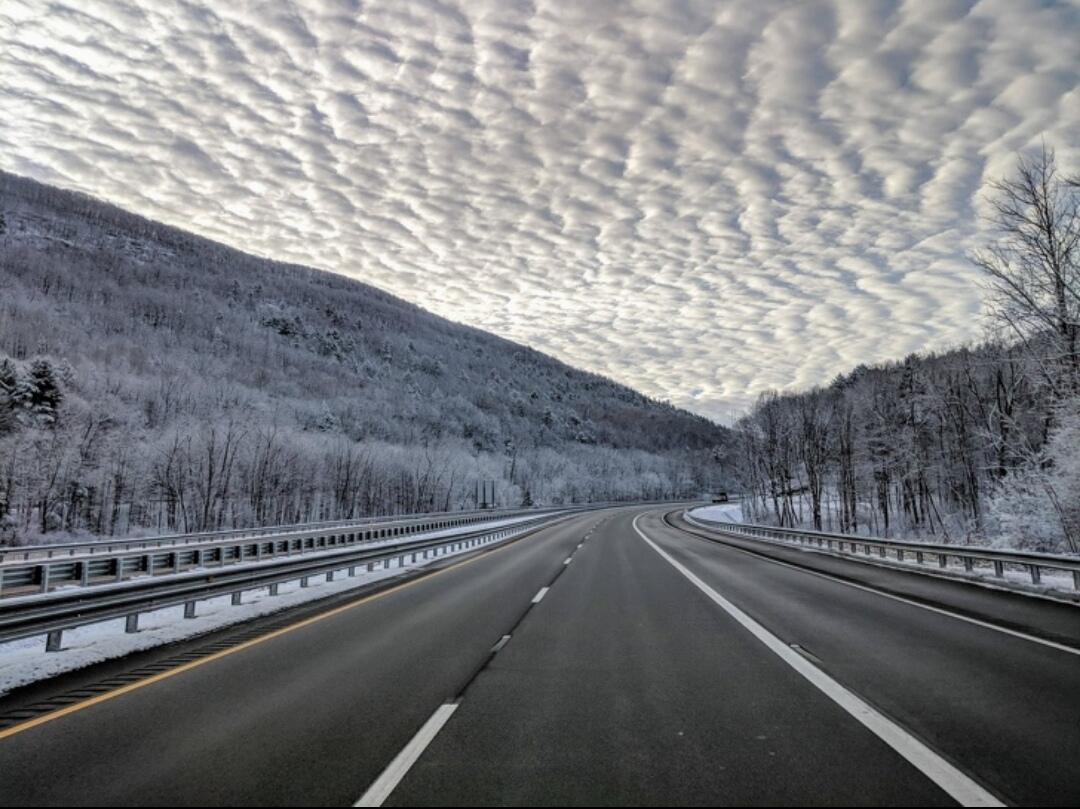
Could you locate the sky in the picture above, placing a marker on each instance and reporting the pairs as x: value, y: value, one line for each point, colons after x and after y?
x: 703, y: 200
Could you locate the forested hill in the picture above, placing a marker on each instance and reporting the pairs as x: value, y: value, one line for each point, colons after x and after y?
x: 969, y: 445
x: 154, y: 378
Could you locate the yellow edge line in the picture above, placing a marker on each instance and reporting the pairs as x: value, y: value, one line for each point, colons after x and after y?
x: 202, y: 661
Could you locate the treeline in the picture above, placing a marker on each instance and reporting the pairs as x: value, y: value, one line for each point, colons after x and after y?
x: 81, y: 474
x: 978, y: 444
x: 963, y: 446
x: 153, y: 381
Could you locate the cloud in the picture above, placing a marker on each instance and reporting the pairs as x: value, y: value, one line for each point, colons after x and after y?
x: 703, y: 200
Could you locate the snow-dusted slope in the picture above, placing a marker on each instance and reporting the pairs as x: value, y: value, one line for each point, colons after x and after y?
x: 173, y: 354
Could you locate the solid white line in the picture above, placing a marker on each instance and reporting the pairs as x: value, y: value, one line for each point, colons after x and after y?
x: 400, y: 766
x: 959, y: 786
x: 1061, y: 647
x: 540, y: 595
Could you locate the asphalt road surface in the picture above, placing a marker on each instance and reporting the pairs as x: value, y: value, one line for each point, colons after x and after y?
x: 636, y: 660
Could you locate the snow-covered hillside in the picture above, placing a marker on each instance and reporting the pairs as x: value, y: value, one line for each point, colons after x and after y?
x: 160, y: 381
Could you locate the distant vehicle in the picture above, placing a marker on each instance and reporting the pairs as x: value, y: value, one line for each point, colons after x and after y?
x: 720, y: 497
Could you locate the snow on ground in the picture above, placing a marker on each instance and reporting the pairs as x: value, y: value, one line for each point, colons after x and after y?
x: 722, y: 512
x: 25, y: 661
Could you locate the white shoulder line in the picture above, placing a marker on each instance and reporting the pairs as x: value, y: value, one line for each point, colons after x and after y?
x: 958, y: 785
x: 1061, y: 647
x: 403, y: 761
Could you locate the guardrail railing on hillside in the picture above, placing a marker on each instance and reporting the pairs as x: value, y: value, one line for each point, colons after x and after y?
x: 50, y: 615
x: 98, y: 565
x: 944, y: 555
x: 120, y: 545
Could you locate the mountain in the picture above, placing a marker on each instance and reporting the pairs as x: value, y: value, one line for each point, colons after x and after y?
x: 188, y: 385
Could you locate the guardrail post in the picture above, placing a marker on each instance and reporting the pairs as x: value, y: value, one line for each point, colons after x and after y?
x: 236, y: 598
x: 148, y: 563
x: 969, y: 563
x: 999, y: 568
x: 329, y: 575
x: 303, y: 581
x: 1036, y: 574
x: 274, y: 589
x: 1076, y: 579
x: 943, y: 560
x: 175, y: 561
x: 53, y: 640
x: 43, y: 577
x: 131, y: 623
x: 189, y: 609
x: 919, y: 557
x: 352, y: 570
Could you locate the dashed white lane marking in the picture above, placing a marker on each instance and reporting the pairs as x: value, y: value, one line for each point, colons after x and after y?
x: 959, y: 786
x: 567, y: 560
x: 540, y: 595
x: 402, y: 763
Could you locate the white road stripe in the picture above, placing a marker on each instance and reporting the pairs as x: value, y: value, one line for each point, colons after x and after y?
x: 402, y: 763
x: 566, y: 561
x: 959, y: 786
x: 1061, y: 647
x: 540, y: 595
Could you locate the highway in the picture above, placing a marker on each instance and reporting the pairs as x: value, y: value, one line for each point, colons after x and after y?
x: 618, y: 657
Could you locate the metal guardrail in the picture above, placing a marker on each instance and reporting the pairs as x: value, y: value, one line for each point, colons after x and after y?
x: 69, y: 608
x: 849, y: 545
x: 100, y: 566
x: 108, y: 546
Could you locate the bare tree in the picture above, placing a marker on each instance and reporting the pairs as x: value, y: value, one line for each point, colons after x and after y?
x: 1033, y: 267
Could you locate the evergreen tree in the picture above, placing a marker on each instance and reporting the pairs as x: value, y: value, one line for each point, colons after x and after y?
x: 8, y: 380
x: 41, y: 394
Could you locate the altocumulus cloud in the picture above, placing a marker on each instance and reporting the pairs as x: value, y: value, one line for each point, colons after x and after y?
x: 703, y: 200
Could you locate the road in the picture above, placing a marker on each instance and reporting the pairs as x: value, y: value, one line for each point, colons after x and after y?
x: 659, y: 666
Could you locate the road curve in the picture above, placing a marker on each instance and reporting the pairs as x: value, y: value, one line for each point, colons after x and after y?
x: 617, y: 680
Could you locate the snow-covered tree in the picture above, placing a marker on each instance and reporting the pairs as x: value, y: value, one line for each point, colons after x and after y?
x: 1037, y: 505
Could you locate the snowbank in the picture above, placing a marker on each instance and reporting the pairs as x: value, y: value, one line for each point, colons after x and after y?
x: 723, y: 512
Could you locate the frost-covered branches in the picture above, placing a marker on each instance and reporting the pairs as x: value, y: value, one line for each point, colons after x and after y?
x: 1033, y: 265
